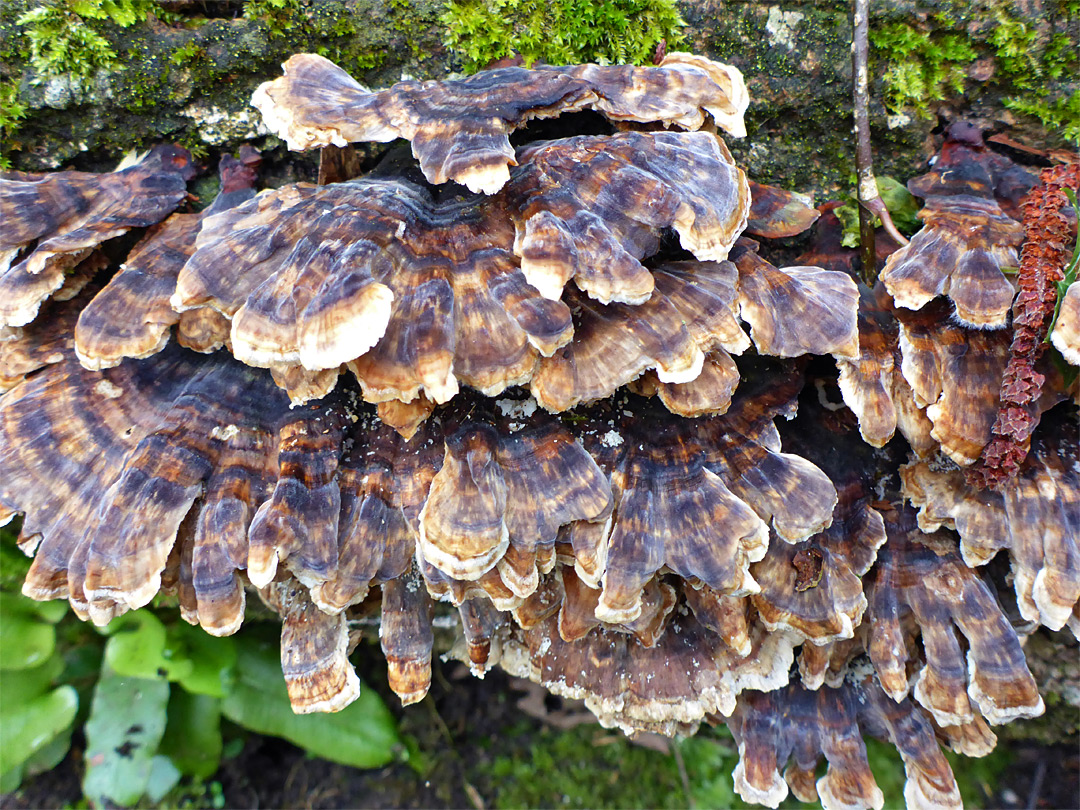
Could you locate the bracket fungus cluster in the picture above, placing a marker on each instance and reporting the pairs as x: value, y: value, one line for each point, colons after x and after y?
x: 572, y: 403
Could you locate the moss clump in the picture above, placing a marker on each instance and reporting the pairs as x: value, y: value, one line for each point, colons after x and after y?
x: 11, y: 112
x: 65, y: 38
x: 559, y: 31
x: 1034, y: 62
x: 921, y: 67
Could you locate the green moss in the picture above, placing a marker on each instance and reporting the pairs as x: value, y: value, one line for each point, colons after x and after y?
x: 925, y: 62
x: 67, y: 36
x: 277, y: 15
x: 11, y: 112
x: 920, y: 67
x: 559, y: 31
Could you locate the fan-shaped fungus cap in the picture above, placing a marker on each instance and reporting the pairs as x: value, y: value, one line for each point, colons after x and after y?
x: 668, y: 688
x: 867, y: 381
x: 814, y: 588
x: 797, y: 310
x: 797, y: 726
x: 691, y: 311
x: 131, y: 316
x: 67, y: 214
x: 48, y: 339
x: 314, y: 651
x: 459, y: 128
x: 924, y: 575
x: 1036, y: 517
x: 967, y: 240
x: 106, y: 466
x: 508, y: 482
x: 955, y: 374
x: 961, y: 252
x: 776, y: 213
x: 743, y: 447
x: 589, y: 208
x: 415, y: 295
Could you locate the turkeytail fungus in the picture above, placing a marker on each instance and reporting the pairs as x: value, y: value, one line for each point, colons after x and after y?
x: 53, y: 221
x: 712, y: 543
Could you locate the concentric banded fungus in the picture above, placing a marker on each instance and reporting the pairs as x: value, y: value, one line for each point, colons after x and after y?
x: 131, y: 316
x: 63, y: 216
x: 504, y: 489
x: 798, y: 726
x: 49, y: 338
x: 406, y: 637
x: 691, y: 311
x: 106, y: 466
x: 616, y: 552
x: 797, y: 310
x: 459, y: 128
x: 955, y: 374
x: 330, y: 273
x: 314, y: 651
x: 867, y: 382
x: 924, y: 575
x: 667, y: 474
x: 668, y: 688
x: 1036, y: 517
x: 814, y: 588
x: 589, y: 208
x: 967, y: 239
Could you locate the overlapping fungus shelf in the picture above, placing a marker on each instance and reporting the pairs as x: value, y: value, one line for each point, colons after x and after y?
x: 572, y: 405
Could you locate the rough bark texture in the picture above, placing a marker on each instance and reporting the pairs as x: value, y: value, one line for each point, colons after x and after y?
x: 189, y: 78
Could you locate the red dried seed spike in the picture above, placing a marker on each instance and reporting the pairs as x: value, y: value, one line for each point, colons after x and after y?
x: 1047, y: 232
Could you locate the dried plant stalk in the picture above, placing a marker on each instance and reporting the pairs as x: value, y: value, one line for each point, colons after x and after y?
x: 1046, y: 250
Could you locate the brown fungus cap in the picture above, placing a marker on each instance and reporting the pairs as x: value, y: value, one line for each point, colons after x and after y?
x: 131, y: 316
x: 590, y: 208
x: 1036, y: 517
x: 691, y: 311
x: 314, y: 651
x: 668, y: 688
x: 789, y: 730
x: 925, y: 575
x: 868, y: 382
x: 962, y: 250
x: 413, y: 294
x: 48, y: 339
x: 510, y: 480
x: 814, y: 588
x: 955, y: 375
x: 59, y: 218
x: 106, y: 466
x: 459, y: 128
x: 776, y: 213
x: 796, y: 310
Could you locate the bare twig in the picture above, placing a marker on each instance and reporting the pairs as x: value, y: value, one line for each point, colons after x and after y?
x: 870, y: 203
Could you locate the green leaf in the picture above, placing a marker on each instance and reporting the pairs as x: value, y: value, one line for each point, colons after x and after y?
x: 126, y: 723
x: 163, y: 778
x: 193, y: 735
x: 212, y: 659
x: 26, y: 640
x: 30, y: 726
x: 21, y: 685
x: 902, y: 205
x: 362, y: 735
x: 138, y: 648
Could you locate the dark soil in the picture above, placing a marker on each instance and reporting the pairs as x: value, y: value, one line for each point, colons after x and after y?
x: 453, y: 738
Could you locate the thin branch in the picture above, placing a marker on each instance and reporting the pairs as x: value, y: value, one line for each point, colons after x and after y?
x: 870, y: 203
